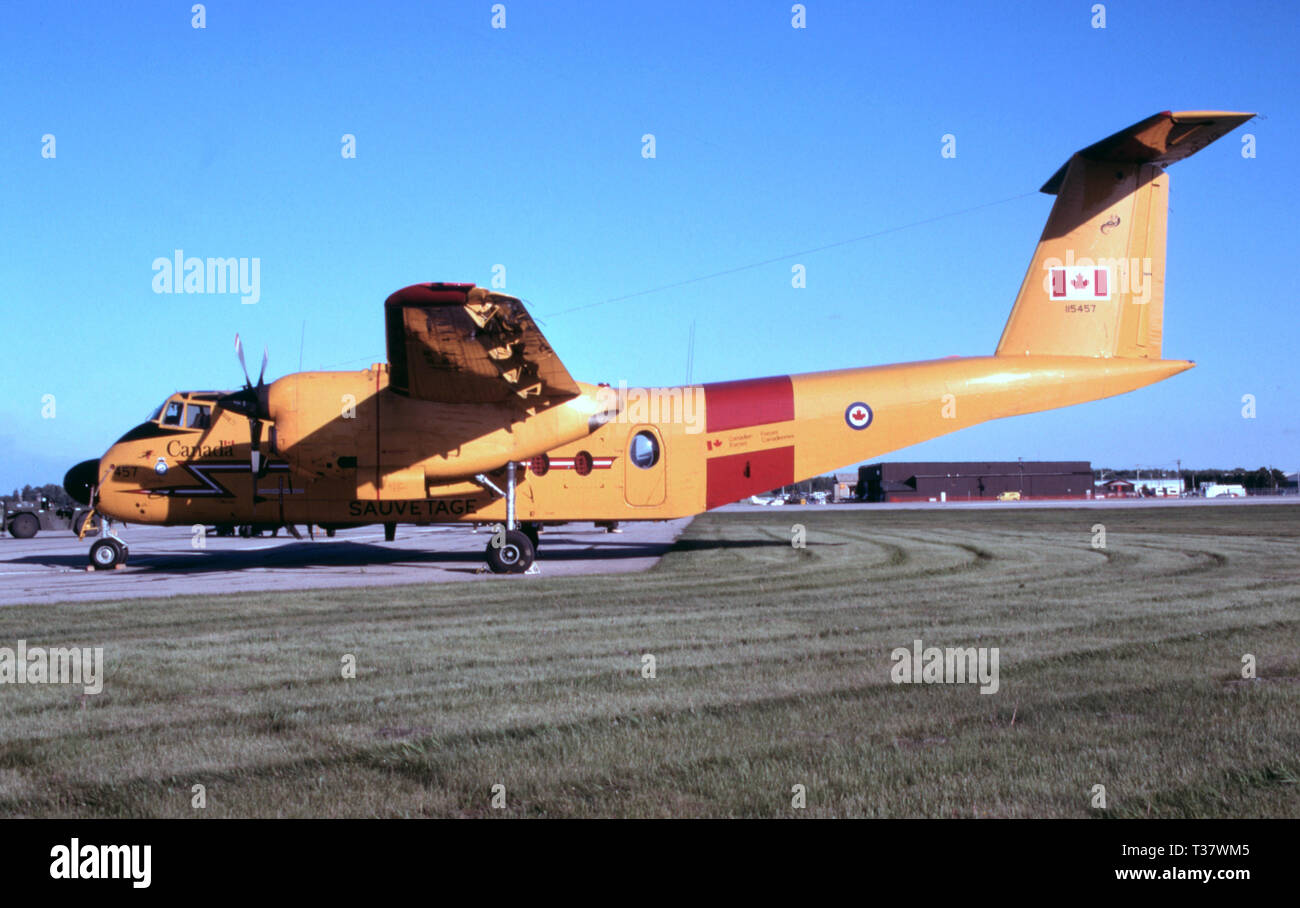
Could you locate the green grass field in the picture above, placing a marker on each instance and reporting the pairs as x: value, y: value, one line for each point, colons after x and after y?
x: 1119, y: 666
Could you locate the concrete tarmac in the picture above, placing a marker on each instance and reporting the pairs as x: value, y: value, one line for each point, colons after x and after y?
x: 163, y: 562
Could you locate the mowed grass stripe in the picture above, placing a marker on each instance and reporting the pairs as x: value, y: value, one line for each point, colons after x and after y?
x: 1120, y: 666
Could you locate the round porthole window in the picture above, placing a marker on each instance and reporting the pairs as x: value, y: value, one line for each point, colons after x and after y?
x: 644, y: 450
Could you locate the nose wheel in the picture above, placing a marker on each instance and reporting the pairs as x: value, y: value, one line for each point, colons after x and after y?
x: 108, y: 553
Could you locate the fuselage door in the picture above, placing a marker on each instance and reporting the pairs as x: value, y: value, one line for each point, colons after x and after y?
x: 645, y: 480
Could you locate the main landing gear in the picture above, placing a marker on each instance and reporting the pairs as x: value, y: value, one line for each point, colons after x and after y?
x: 510, y: 552
x: 513, y: 547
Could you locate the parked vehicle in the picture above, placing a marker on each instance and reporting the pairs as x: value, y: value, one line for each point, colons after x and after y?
x: 23, y: 520
x: 1224, y: 490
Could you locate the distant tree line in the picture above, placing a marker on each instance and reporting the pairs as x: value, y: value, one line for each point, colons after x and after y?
x: 33, y: 494
x: 1262, y: 478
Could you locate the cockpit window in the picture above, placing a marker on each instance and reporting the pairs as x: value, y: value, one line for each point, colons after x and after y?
x: 198, y: 416
x: 172, y: 414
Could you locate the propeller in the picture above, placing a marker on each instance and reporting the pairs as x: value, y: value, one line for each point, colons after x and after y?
x: 251, y: 403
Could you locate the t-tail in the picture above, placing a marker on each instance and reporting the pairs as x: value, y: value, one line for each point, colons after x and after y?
x: 1096, y: 283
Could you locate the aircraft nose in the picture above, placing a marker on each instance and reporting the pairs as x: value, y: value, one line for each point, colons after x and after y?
x: 79, y: 479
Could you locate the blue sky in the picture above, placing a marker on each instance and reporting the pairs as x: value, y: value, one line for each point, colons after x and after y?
x: 522, y: 147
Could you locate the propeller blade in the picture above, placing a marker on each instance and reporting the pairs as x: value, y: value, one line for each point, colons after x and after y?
x: 251, y: 403
x: 255, y: 454
x: 239, y: 352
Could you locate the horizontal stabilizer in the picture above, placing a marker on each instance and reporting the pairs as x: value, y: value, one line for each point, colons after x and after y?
x: 1161, y: 139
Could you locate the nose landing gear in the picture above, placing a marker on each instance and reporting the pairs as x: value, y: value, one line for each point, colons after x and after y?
x: 109, y: 552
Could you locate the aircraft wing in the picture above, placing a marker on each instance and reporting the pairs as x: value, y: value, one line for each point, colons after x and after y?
x: 458, y: 343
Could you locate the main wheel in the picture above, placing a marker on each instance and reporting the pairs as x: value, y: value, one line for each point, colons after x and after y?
x: 514, y: 555
x: 390, y: 532
x: 107, y: 554
x: 24, y: 526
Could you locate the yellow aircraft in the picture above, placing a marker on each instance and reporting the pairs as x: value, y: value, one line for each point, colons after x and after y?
x: 474, y: 419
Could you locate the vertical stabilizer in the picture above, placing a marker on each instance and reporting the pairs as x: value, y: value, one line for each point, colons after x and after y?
x: 1096, y: 284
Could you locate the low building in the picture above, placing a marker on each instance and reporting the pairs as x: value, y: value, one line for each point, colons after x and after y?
x: 1115, y: 488
x: 1159, y: 488
x: 1141, y: 487
x: 846, y: 487
x: 974, y: 480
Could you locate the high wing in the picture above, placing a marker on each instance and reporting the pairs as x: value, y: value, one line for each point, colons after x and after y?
x: 458, y: 343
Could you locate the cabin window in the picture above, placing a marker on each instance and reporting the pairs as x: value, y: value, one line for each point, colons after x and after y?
x: 172, y: 414
x: 644, y: 450
x: 198, y: 416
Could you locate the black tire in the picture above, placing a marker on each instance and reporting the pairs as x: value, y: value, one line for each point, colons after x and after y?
x: 107, y: 553
x: 514, y: 555
x: 23, y: 526
x: 533, y: 532
x: 329, y: 532
x: 390, y: 532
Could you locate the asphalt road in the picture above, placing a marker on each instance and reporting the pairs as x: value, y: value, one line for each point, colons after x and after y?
x: 163, y: 562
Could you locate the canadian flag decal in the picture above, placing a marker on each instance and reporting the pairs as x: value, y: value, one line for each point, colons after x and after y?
x: 1074, y: 282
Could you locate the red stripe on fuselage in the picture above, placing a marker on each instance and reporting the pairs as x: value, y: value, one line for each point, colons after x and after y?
x: 753, y: 402
x: 736, y: 476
